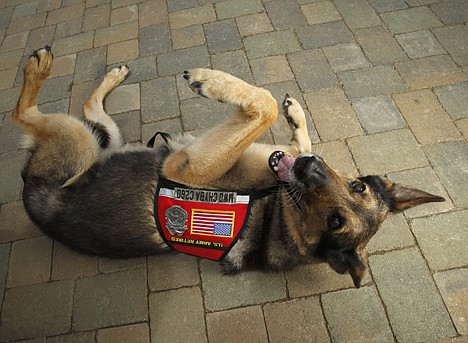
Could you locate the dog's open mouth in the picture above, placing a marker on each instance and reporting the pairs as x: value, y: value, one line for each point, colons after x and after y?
x: 281, y: 165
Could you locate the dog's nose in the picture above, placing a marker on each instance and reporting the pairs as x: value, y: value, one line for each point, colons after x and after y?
x: 310, y: 170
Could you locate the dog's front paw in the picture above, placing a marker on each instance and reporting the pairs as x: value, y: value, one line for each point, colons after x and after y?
x: 40, y: 63
x: 293, y: 113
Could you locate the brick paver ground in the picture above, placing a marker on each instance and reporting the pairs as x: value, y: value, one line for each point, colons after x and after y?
x: 385, y: 86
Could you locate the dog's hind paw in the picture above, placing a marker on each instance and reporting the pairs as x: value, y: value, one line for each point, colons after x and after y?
x: 40, y: 63
x: 117, y: 75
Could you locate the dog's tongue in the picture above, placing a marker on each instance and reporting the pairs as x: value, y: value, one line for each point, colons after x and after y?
x: 284, y: 166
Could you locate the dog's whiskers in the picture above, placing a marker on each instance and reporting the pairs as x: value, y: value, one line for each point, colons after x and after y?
x: 294, y: 195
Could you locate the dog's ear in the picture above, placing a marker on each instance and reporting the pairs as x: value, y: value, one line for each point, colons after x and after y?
x: 399, y: 197
x: 347, y: 261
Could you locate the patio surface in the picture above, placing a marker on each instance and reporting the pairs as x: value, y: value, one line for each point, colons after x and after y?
x: 385, y: 85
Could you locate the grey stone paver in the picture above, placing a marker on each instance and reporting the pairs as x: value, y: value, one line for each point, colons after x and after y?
x: 320, y: 12
x: 222, y: 36
x: 272, y: 43
x: 454, y: 98
x: 192, y: 16
x: 233, y: 62
x: 220, y: 326
x: 249, y: 288
x: 169, y: 309
x: 420, y: 44
x: 4, y: 259
x: 110, y: 300
x: 30, y: 261
x: 131, y: 333
x: 355, y: 315
x: 90, y: 65
x: 422, y: 315
x: 231, y: 9
x: 176, y: 62
x: 81, y: 337
x: 357, y: 13
x: 123, y: 99
x: 383, y: 84
x: 298, y: 320
x: 411, y: 19
x: 158, y: 97
x: 450, y: 163
x: 10, y: 180
x: 426, y: 117
x: 23, y: 314
x: 187, y: 37
x: 451, y: 12
x: 383, y: 158
x: 368, y: 82
x: 169, y: 271
x: 378, y: 114
x: 69, y: 264
x: 325, y: 34
x: 333, y: 115
x: 443, y: 239
x: 454, y: 39
x: 430, y: 72
x: 345, y: 56
x: 379, y: 45
x: 254, y: 24
x: 312, y: 75
x: 214, y: 112
x: 111, y: 265
x: 452, y: 285
x: 271, y: 70
x: 285, y: 14
x: 154, y: 39
x: 393, y: 234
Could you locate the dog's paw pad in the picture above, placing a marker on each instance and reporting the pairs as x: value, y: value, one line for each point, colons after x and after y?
x: 293, y: 112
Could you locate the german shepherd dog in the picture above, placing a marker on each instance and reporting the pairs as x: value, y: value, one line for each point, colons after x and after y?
x: 83, y: 187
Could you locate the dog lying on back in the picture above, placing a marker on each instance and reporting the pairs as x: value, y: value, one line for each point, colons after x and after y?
x: 88, y: 191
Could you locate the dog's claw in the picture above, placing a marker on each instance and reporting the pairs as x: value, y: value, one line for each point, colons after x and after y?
x: 48, y: 48
x: 196, y: 84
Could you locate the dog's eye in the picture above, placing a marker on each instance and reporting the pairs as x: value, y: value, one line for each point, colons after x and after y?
x: 335, y: 221
x: 358, y: 186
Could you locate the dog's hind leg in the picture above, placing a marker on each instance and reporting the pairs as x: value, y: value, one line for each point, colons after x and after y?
x: 26, y: 113
x: 94, y: 108
x: 212, y: 155
x: 63, y: 147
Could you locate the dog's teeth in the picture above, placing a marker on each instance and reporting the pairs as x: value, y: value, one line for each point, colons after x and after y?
x: 275, y: 168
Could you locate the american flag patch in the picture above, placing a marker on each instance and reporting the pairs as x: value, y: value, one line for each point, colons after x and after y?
x: 212, y: 223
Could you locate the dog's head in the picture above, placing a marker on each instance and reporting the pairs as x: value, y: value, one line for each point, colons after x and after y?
x: 332, y: 216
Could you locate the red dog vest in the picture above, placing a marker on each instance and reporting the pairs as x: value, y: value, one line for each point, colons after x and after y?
x: 201, y: 222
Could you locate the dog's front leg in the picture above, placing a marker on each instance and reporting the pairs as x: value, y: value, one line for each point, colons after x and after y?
x: 295, y: 116
x: 212, y: 155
